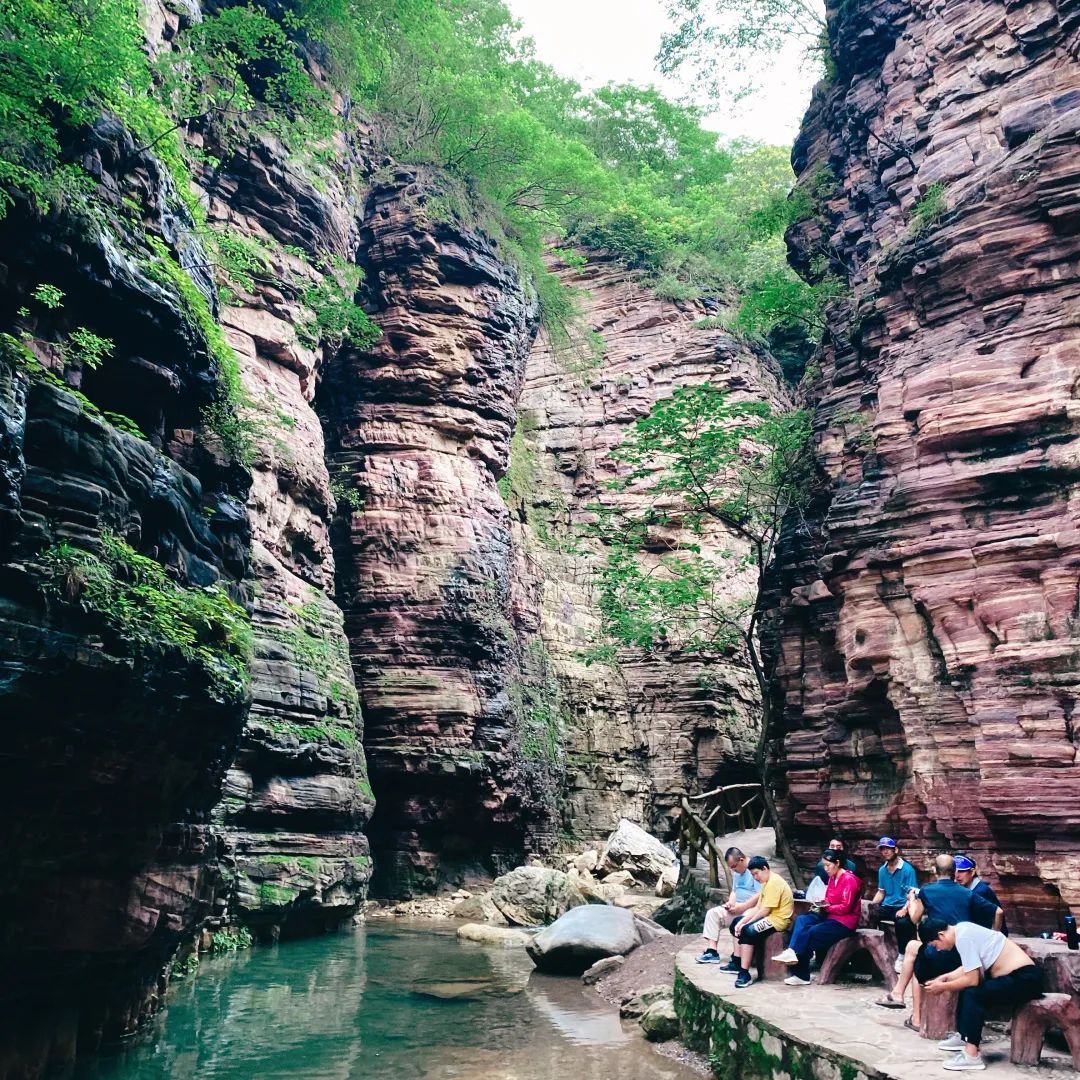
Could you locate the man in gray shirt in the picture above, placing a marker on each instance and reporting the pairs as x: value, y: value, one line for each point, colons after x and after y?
x: 994, y: 973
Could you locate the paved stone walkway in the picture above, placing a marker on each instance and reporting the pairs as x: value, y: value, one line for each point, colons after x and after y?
x: 844, y: 1018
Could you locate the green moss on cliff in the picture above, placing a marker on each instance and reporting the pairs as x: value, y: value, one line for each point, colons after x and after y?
x: 150, y: 615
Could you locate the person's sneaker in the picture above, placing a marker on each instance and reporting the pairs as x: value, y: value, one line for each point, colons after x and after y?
x: 898, y: 967
x: 743, y: 980
x: 733, y: 966
x: 952, y: 1042
x: 963, y: 1062
x: 786, y: 957
x: 709, y: 956
x: 796, y: 980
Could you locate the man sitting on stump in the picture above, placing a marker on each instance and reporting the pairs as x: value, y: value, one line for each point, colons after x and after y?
x: 771, y: 914
x: 744, y: 895
x: 896, y: 878
x: 836, y: 919
x: 950, y: 902
x: 994, y: 973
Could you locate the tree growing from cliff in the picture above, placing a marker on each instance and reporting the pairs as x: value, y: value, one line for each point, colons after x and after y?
x: 700, y: 458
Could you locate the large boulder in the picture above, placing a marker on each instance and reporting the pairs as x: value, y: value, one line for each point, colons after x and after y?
x: 581, y: 937
x: 631, y: 848
x: 534, y: 895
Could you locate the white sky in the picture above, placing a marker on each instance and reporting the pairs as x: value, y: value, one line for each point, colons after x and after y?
x: 600, y: 41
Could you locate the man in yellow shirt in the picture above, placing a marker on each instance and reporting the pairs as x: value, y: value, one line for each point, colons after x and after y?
x: 771, y: 915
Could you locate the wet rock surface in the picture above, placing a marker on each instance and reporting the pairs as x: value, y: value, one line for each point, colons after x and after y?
x: 929, y: 652
x: 113, y: 754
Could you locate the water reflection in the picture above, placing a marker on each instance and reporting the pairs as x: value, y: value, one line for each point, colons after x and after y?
x: 386, y: 1002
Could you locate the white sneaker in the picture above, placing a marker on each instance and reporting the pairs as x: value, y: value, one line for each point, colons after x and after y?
x: 952, y: 1042
x: 786, y: 957
x: 962, y: 1062
x: 794, y: 980
x: 898, y: 967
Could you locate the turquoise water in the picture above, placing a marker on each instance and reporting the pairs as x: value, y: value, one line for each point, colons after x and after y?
x: 385, y: 1002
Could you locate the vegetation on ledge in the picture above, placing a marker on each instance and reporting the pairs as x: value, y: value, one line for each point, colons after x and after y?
x: 151, y: 615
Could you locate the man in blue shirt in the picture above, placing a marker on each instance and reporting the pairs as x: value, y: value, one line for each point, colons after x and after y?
x: 743, y: 896
x: 949, y: 901
x: 895, y: 879
x: 968, y: 875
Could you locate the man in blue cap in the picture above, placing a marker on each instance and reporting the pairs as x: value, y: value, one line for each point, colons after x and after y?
x: 967, y: 875
x: 896, y: 878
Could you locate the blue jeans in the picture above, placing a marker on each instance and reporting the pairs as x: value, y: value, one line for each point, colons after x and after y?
x: 812, y: 933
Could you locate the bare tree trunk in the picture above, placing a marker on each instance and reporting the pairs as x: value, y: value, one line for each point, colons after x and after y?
x: 782, y: 845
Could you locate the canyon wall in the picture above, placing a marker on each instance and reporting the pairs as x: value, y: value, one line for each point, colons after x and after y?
x: 297, y: 796
x: 419, y: 426
x: 115, y: 746
x: 641, y: 730
x: 929, y: 660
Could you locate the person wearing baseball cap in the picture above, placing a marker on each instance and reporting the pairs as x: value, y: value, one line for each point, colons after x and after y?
x: 967, y: 874
x: 896, y: 878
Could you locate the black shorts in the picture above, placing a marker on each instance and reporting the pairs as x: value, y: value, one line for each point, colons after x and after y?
x: 750, y: 936
x: 932, y: 962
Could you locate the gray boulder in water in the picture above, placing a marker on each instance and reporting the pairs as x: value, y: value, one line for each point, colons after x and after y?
x: 576, y: 940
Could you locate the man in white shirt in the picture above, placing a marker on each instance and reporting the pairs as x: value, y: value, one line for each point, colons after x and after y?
x: 994, y: 972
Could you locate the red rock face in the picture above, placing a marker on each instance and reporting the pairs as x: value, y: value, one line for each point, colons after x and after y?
x: 930, y: 662
x: 297, y: 797
x: 419, y: 427
x: 639, y: 735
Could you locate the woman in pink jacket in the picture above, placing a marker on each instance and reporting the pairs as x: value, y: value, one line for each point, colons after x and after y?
x: 820, y: 931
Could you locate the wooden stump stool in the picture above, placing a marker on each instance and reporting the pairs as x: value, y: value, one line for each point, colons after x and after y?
x: 873, y: 942
x: 1030, y: 1024
x: 938, y: 1014
x: 764, y: 954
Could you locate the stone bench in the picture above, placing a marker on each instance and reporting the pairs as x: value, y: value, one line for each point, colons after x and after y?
x: 870, y: 941
x: 1031, y: 1022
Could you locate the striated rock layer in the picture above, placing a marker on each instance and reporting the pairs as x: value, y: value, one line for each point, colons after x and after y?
x: 296, y: 798
x: 638, y: 733
x: 418, y: 428
x: 931, y: 643
x: 113, y: 755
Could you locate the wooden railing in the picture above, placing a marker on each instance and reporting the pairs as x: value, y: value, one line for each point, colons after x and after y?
x: 725, y: 809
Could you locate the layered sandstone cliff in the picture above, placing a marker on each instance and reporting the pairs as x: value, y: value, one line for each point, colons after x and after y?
x: 296, y: 797
x: 114, y: 747
x: 637, y: 730
x: 930, y: 661
x: 418, y: 429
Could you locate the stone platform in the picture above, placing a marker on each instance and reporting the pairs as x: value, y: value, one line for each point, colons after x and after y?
x: 836, y: 1032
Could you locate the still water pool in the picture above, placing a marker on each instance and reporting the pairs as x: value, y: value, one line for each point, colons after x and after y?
x: 387, y: 1002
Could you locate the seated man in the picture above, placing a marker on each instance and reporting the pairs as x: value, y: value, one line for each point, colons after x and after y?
x: 837, y: 919
x: 950, y: 902
x: 994, y: 972
x: 968, y: 875
x: 895, y: 878
x: 770, y: 915
x: 744, y: 895
x: 835, y: 844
